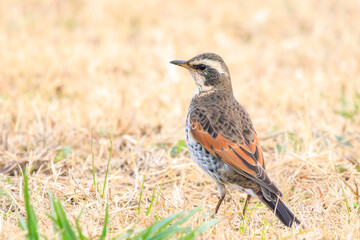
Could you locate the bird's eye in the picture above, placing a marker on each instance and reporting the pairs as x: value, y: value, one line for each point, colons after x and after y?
x: 202, y: 67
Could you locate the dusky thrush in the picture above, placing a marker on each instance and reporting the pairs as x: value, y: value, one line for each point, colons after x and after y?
x: 222, y: 139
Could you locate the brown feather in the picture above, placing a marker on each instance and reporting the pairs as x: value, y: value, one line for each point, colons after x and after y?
x: 239, y: 156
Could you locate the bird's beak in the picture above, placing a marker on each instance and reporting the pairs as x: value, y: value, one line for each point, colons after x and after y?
x: 181, y: 63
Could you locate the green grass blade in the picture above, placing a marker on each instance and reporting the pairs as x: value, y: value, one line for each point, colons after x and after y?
x: 30, y: 213
x: 103, y: 234
x: 141, y: 192
x: 78, y: 228
x: 55, y: 227
x: 128, y: 234
x: 199, y: 230
x: 346, y: 203
x: 107, y: 167
x: 93, y: 161
x: 151, y: 203
x: 157, y: 197
x: 168, y: 229
x: 248, y: 220
x: 264, y: 229
x: 170, y: 232
x: 66, y: 230
x: 22, y: 223
x: 158, y: 226
x: 203, y: 228
x: 175, y: 227
x: 245, y: 222
x: 188, y: 214
x: 80, y: 234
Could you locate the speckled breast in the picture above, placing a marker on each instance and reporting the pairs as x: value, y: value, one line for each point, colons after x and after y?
x: 212, y: 166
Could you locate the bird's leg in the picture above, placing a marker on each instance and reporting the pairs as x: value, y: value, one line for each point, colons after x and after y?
x: 222, y: 193
x: 246, y: 204
x: 218, y: 204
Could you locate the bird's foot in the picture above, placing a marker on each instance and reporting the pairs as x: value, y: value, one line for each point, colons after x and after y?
x: 218, y: 204
x: 246, y: 205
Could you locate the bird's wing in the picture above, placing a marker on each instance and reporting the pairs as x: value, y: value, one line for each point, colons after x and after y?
x: 245, y: 157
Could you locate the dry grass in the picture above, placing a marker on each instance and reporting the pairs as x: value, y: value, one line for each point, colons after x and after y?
x: 70, y: 67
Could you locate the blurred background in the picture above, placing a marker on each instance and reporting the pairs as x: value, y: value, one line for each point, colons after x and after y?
x: 70, y: 68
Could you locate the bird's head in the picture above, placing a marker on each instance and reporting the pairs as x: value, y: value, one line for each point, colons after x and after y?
x: 208, y: 70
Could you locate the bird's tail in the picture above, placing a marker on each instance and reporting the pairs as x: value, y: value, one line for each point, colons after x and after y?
x: 282, y: 212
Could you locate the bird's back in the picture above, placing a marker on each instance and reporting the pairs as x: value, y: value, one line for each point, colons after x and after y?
x: 224, y: 114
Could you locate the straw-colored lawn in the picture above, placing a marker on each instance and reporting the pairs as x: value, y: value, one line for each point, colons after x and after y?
x: 70, y: 68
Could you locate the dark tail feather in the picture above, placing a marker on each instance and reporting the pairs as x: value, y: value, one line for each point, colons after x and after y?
x: 282, y: 212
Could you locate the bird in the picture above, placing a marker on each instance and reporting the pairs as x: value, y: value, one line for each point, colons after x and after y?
x: 222, y: 140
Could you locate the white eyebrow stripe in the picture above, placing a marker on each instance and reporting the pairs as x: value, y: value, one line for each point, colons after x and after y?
x: 213, y: 64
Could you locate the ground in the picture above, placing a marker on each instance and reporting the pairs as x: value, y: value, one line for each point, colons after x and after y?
x: 73, y: 69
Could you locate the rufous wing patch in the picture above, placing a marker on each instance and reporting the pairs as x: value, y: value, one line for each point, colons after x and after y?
x: 244, y: 157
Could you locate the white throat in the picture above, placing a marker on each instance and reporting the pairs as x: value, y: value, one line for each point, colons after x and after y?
x: 202, y: 89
